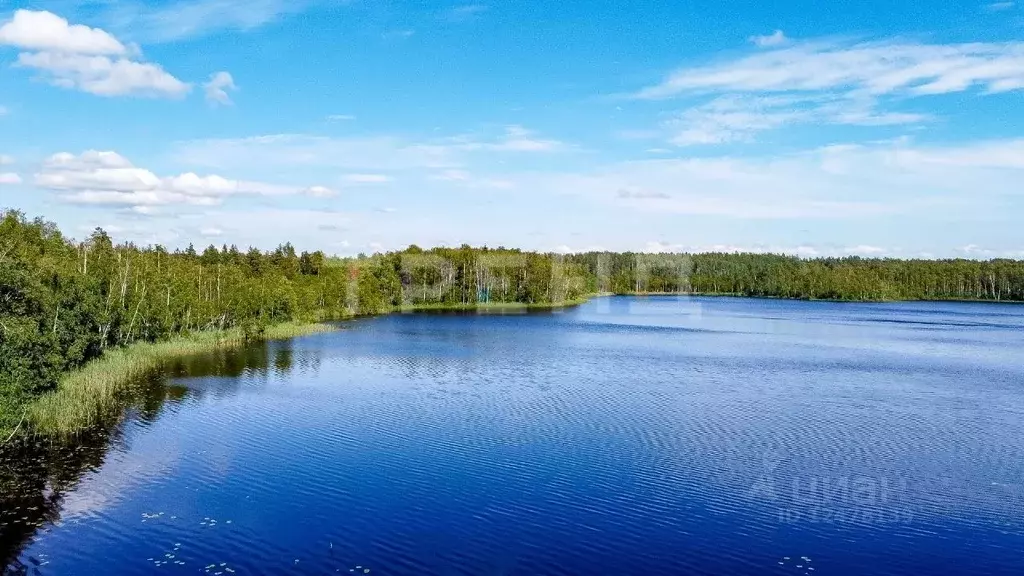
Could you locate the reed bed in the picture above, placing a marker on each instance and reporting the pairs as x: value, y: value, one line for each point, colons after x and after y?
x: 84, y: 396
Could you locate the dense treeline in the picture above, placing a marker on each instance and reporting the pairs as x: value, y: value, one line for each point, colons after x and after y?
x: 62, y: 302
x: 770, y: 275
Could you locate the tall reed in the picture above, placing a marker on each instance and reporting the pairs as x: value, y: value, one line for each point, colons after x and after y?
x: 84, y: 396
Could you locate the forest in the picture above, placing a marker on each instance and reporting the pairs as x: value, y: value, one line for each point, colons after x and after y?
x: 64, y: 302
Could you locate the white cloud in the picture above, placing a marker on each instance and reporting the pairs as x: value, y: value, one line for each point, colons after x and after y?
x: 9, y: 178
x: 738, y: 118
x: 87, y: 59
x: 107, y: 178
x: 979, y: 252
x: 86, y: 160
x: 211, y: 232
x: 46, y: 32
x: 776, y: 38
x: 104, y: 76
x: 1000, y: 6
x: 728, y: 119
x: 217, y: 88
x: 6, y: 160
x: 565, y: 249
x: 829, y: 82
x: 871, y: 68
x: 367, y: 178
x: 319, y: 192
x: 340, y: 118
x: 866, y: 250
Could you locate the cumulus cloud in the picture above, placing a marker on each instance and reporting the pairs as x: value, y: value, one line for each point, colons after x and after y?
x: 104, y: 76
x: 776, y: 38
x: 6, y: 160
x: 77, y: 57
x: 47, y: 32
x: 217, y: 88
x: 9, y: 178
x: 109, y: 179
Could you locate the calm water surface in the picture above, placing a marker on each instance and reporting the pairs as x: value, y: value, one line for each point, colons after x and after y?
x: 627, y: 436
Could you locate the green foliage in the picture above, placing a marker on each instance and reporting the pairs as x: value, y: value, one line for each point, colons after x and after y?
x: 63, y: 303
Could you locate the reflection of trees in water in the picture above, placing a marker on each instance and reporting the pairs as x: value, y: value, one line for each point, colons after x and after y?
x: 258, y: 361
x: 36, y: 474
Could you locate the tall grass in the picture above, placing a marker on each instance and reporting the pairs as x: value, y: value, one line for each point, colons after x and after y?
x: 85, y: 396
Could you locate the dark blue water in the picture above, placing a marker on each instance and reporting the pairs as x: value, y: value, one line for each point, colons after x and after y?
x: 627, y: 436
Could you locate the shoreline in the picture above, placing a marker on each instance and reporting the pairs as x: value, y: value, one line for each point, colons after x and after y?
x: 84, y: 396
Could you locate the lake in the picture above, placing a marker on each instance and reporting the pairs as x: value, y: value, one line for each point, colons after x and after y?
x: 663, y: 435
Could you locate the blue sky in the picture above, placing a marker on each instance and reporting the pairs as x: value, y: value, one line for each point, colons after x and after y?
x: 871, y: 128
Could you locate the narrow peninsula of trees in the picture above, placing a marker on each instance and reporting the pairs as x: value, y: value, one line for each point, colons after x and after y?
x: 64, y: 302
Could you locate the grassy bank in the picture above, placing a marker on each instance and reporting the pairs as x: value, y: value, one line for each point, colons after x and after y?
x: 85, y: 395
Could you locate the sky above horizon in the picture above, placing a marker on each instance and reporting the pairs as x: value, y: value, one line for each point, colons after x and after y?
x: 869, y: 128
